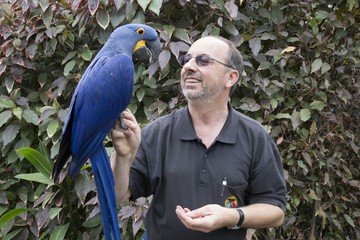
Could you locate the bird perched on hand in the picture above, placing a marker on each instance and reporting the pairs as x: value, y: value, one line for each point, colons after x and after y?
x: 104, y: 91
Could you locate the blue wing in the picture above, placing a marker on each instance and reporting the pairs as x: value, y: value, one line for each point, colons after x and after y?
x: 99, y: 100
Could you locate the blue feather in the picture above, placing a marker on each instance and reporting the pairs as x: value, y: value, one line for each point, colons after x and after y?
x: 104, y: 91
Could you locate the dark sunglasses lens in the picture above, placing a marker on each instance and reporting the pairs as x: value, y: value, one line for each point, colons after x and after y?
x: 184, y: 59
x: 202, y: 60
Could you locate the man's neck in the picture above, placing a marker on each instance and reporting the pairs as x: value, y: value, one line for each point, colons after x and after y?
x: 208, y: 120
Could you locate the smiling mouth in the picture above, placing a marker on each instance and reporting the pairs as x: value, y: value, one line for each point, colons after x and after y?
x: 192, y: 80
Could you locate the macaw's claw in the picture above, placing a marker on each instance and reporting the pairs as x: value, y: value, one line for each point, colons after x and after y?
x: 122, y: 123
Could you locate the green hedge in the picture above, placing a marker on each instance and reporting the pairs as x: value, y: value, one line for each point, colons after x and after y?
x: 301, y: 81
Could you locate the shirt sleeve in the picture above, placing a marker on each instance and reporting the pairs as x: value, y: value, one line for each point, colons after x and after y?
x: 267, y: 183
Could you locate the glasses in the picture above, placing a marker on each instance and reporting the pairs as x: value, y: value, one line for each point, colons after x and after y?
x: 201, y: 60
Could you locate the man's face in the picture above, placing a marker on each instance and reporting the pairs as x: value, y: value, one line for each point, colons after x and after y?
x: 205, y: 83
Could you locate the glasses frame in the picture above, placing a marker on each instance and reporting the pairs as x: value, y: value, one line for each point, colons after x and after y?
x: 199, y: 62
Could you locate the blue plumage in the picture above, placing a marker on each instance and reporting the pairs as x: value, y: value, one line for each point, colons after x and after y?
x: 104, y: 91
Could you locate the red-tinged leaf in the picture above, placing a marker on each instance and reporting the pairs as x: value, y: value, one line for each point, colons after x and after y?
x: 177, y: 47
x: 255, y: 45
x: 354, y: 183
x: 93, y: 6
x: 76, y: 4
x: 17, y: 73
x: 103, y: 18
x: 127, y: 212
x: 41, y: 217
x: 279, y: 140
x: 119, y: 3
x: 2, y: 68
x: 44, y: 4
x: 136, y: 225
x: 30, y: 51
x: 18, y: 61
x: 164, y: 58
x: 231, y: 8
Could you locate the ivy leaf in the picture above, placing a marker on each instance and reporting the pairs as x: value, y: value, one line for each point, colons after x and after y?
x: 86, y: 53
x: 282, y: 116
x: 52, y: 128
x: 182, y: 34
x: 231, y: 8
x: 10, y: 133
x: 317, y: 105
x: 7, y: 103
x: 295, y: 119
x: 288, y: 49
x: 255, y: 45
x: 119, y: 3
x: 68, y: 67
x: 169, y: 29
x: 305, y: 114
x: 30, y: 116
x: 277, y: 15
x: 155, y: 6
x: 316, y: 65
x: 325, y: 67
x: 5, y: 116
x: 349, y: 220
x: 47, y: 17
x: 44, y: 4
x: 140, y: 94
x: 313, y: 195
x: 143, y: 4
x: 103, y: 18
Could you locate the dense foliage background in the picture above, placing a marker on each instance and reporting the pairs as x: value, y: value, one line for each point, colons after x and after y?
x: 301, y: 81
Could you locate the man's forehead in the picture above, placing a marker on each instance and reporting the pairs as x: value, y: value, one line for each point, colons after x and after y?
x: 209, y: 45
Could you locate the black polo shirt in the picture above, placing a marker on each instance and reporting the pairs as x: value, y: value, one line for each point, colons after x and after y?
x: 174, y: 166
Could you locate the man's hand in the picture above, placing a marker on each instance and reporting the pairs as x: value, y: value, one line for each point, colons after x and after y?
x: 126, y: 140
x: 207, y: 218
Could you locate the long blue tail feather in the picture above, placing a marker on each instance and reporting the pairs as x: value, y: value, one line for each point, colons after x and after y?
x: 106, y: 194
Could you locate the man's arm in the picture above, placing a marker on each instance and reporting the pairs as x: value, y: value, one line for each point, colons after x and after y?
x: 213, y: 216
x: 126, y: 142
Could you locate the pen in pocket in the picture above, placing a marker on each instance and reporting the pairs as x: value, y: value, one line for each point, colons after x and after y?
x: 224, y: 183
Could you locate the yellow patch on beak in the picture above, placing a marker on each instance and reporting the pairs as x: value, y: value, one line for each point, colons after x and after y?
x: 139, y: 44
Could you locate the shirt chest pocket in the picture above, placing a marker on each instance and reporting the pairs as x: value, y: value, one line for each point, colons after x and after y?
x: 233, y: 196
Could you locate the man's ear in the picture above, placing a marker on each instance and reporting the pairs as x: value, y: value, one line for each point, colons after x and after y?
x: 232, y: 78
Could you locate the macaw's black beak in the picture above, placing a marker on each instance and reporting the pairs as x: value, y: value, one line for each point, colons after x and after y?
x: 150, y: 51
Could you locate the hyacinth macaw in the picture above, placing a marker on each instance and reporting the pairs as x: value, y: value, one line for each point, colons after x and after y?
x: 104, y: 91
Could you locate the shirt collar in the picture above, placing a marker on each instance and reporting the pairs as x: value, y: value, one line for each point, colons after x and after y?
x: 228, y: 133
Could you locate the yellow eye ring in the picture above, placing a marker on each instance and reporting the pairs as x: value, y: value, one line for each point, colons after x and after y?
x: 140, y: 31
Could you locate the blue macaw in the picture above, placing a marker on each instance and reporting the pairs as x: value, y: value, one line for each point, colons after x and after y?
x: 104, y: 91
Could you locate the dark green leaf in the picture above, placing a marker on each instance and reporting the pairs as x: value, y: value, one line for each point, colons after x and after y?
x: 59, y: 232
x: 40, y: 162
x: 34, y: 177
x: 10, y: 215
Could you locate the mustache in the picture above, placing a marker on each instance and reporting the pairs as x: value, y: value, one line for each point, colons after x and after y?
x: 191, y: 74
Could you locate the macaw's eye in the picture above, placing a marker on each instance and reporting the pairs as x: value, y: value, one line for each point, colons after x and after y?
x: 140, y: 31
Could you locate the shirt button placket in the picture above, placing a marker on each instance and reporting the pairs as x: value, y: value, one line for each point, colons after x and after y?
x: 203, y: 170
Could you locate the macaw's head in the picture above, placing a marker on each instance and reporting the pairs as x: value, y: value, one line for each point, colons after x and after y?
x: 142, y: 40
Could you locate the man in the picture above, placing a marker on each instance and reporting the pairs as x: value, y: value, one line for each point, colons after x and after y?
x: 212, y: 171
